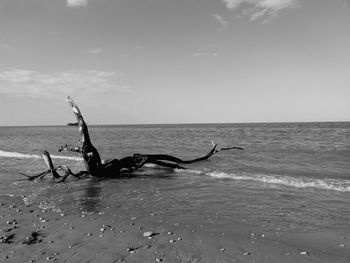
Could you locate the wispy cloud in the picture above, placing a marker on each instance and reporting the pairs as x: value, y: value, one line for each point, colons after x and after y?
x: 4, y: 46
x: 23, y: 82
x: 205, y: 54
x: 94, y: 51
x: 77, y: 3
x: 348, y: 3
x: 220, y: 19
x: 256, y: 9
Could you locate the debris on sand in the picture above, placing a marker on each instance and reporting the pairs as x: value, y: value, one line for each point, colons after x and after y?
x: 6, y: 239
x: 149, y: 234
x: 131, y: 250
x: 32, y: 239
x: 12, y: 222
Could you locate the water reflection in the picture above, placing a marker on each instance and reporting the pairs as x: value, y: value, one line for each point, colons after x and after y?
x: 91, y: 201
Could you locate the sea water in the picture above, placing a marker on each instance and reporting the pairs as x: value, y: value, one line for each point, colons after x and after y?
x: 290, y: 176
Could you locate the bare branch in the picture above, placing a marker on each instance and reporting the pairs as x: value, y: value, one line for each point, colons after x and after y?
x: 70, y: 148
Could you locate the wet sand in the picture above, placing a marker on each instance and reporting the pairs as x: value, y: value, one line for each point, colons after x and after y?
x: 31, y: 234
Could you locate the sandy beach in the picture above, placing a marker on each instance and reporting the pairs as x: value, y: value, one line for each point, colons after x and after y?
x: 175, y: 131
x: 144, y: 236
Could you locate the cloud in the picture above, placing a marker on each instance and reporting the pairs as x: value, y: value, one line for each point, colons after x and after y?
x: 76, y: 3
x: 31, y: 83
x: 4, y: 46
x: 205, y: 54
x: 94, y: 51
x: 256, y: 9
x: 220, y: 19
x: 347, y: 2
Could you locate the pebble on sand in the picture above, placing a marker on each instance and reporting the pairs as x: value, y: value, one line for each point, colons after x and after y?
x: 7, y: 238
x: 131, y: 250
x: 148, y: 234
x: 32, y: 239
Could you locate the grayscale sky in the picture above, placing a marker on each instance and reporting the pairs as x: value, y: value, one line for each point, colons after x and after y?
x: 174, y: 61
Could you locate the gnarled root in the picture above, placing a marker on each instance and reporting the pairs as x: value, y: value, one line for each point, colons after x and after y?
x: 142, y: 159
x: 54, y: 171
x: 70, y: 148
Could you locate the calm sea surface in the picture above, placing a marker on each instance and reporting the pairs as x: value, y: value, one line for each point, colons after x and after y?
x: 291, y: 176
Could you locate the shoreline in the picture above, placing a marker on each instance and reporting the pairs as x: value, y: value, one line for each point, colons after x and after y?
x: 108, y: 236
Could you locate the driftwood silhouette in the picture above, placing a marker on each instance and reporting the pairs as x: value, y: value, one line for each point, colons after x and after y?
x: 112, y: 168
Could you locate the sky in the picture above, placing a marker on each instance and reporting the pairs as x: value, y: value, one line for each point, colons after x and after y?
x: 174, y: 61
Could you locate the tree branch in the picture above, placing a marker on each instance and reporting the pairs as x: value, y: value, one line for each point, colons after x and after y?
x: 150, y: 158
x: 70, y: 148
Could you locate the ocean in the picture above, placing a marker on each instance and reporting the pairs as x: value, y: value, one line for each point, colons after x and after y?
x: 290, y: 176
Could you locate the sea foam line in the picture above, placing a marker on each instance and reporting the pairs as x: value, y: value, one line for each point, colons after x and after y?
x: 323, y: 184
x: 35, y: 156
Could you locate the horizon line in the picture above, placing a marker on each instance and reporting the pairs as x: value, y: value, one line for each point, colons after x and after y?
x: 186, y: 123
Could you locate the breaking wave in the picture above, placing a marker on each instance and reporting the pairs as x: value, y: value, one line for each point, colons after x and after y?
x: 35, y: 156
x: 298, y: 182
x: 324, y: 184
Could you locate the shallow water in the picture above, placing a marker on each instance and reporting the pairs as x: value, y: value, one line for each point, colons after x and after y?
x: 292, y: 177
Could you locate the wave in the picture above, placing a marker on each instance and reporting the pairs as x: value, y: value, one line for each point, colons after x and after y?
x: 323, y: 184
x: 150, y: 165
x: 35, y: 156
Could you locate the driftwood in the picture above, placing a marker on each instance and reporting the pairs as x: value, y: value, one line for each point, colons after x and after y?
x: 112, y: 168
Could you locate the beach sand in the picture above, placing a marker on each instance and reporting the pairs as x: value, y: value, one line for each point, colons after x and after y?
x: 107, y: 236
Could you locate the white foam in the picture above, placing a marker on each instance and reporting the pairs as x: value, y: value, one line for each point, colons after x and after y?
x: 150, y: 165
x: 34, y: 156
x: 189, y: 171
x: 325, y: 184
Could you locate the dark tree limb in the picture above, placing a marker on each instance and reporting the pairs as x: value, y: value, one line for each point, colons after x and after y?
x: 69, y: 172
x: 70, y: 148
x: 54, y: 170
x: 166, y: 164
x: 111, y: 168
x: 32, y: 177
x: 152, y: 158
x: 213, y: 151
x: 49, y: 163
x: 51, y: 169
x: 89, y: 153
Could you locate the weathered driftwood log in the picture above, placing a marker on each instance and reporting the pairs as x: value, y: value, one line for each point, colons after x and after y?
x: 111, y: 168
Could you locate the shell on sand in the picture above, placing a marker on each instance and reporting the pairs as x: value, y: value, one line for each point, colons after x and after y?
x: 148, y: 234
